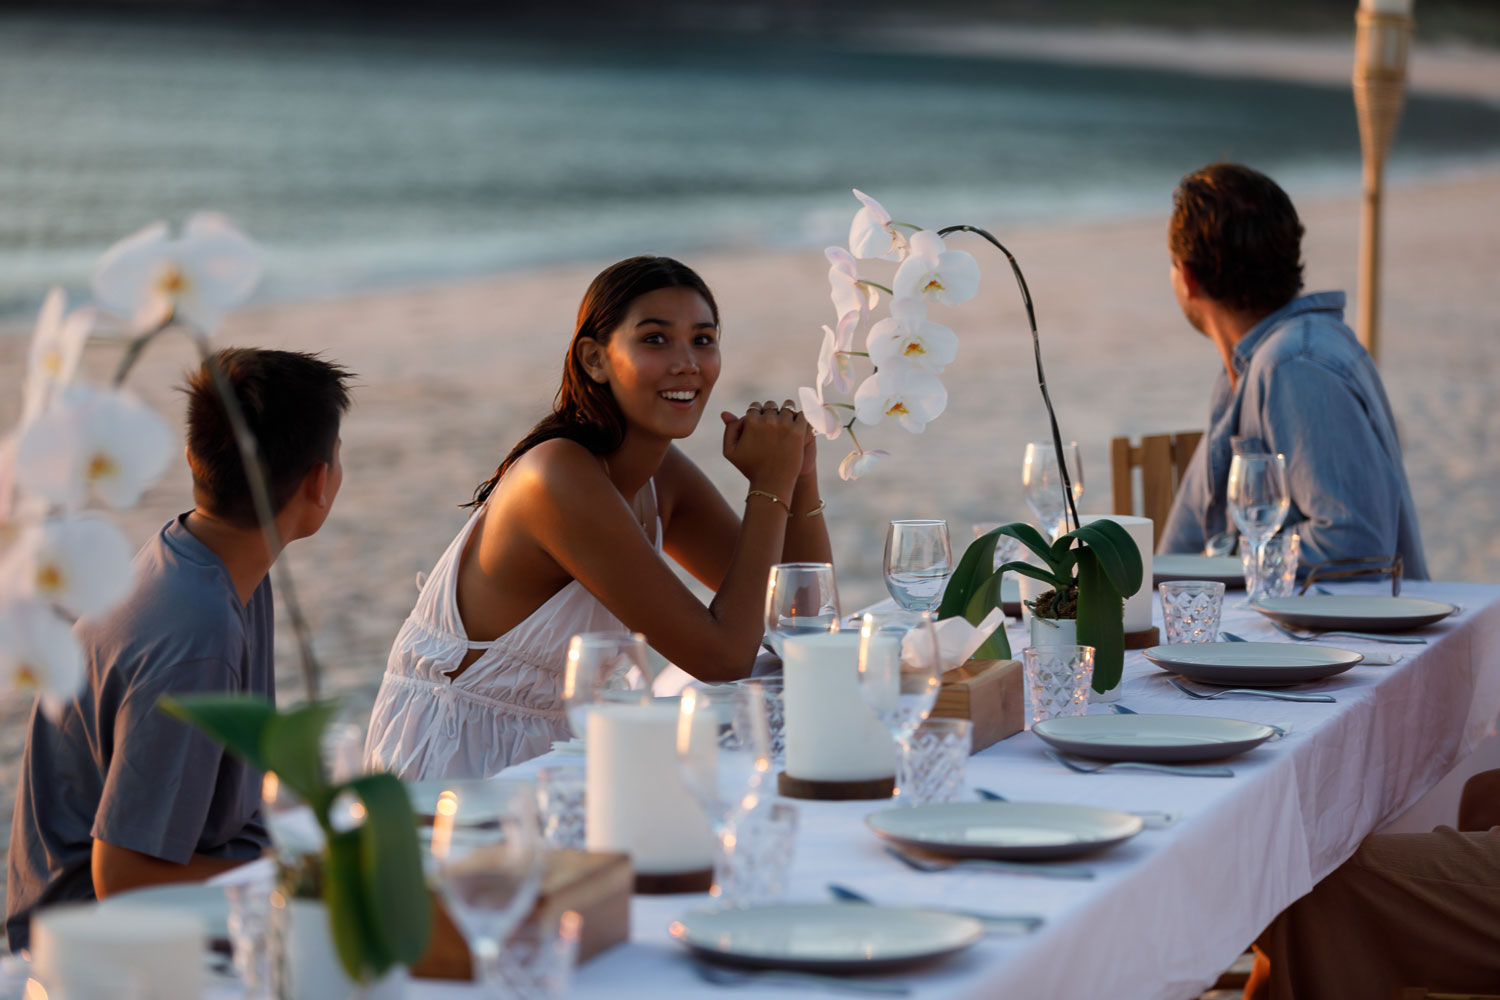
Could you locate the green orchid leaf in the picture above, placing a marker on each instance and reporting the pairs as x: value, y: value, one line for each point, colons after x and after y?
x: 292, y: 746
x: 1029, y: 537
x: 1117, y: 553
x: 237, y: 721
x: 1101, y: 620
x: 360, y: 949
x: 1036, y: 573
x: 996, y: 647
x: 390, y: 862
x: 961, y: 583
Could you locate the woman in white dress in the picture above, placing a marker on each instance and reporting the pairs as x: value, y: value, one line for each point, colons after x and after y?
x: 569, y: 533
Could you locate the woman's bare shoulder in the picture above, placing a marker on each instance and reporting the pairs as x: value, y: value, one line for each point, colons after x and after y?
x: 555, y: 464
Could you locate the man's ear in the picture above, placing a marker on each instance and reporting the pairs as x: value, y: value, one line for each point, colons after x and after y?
x: 591, y: 356
x: 1190, y: 284
x: 315, y: 486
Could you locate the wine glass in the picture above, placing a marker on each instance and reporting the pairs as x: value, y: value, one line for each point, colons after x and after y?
x: 900, y: 671
x: 801, y: 598
x: 488, y: 858
x: 1043, y: 484
x: 724, y: 751
x: 1258, y: 500
x: 918, y: 562
x: 603, y: 666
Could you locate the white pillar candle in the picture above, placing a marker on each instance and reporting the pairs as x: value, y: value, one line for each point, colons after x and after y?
x: 831, y: 733
x: 102, y: 952
x: 637, y: 801
x: 1387, y: 6
x: 1138, y: 606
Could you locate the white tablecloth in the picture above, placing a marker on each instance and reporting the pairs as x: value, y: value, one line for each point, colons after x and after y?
x: 1174, y: 906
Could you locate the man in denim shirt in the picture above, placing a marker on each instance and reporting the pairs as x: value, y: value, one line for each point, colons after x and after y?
x: 1295, y: 380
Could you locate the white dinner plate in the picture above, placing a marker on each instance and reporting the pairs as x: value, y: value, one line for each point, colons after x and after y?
x: 1227, y: 570
x: 825, y: 937
x: 208, y: 902
x: 1156, y: 738
x: 1365, y: 612
x: 1017, y: 830
x: 1252, y: 664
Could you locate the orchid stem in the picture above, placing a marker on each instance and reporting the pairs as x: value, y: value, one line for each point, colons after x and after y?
x: 875, y: 284
x: 1071, y: 508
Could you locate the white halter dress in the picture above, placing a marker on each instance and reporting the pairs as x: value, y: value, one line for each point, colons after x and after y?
x: 504, y: 708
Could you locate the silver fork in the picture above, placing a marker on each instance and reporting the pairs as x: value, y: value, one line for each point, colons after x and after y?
x: 928, y: 863
x: 1256, y: 692
x: 720, y: 976
x: 1308, y: 635
x: 1185, y: 770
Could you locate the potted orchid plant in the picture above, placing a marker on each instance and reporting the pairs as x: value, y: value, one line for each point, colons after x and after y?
x: 1092, y: 568
x: 75, y: 443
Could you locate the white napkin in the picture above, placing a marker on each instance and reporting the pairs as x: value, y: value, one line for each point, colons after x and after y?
x: 957, y: 639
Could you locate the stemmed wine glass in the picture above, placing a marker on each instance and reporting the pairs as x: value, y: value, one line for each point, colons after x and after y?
x: 600, y: 666
x: 801, y: 598
x: 488, y: 855
x: 724, y: 751
x: 1043, y: 484
x: 918, y: 562
x: 1258, y: 501
x: 900, y: 671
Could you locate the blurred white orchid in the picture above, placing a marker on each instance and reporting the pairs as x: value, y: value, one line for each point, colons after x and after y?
x: 909, y: 394
x: 934, y: 273
x: 80, y: 564
x: 907, y: 335
x: 835, y: 363
x: 850, y: 295
x: 104, y: 441
x: 56, y: 345
x: 197, y: 277
x: 859, y: 462
x: 38, y: 652
x: 871, y: 234
x: 824, y: 417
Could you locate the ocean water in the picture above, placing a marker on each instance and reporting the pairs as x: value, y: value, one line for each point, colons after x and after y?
x: 362, y: 157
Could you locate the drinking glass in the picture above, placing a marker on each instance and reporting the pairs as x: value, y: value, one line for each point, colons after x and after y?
x: 900, y: 671
x: 933, y: 768
x: 488, y: 857
x: 918, y: 562
x: 1258, y: 500
x: 723, y: 748
x: 600, y: 666
x: 1276, y: 572
x: 1044, y: 487
x: 801, y: 598
x: 1190, y: 609
x: 1058, y: 679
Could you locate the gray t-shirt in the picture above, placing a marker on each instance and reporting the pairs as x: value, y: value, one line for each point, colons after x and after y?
x: 118, y: 769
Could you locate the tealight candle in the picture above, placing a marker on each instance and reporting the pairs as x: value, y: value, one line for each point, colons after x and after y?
x: 832, y: 734
x: 637, y: 802
x: 90, y: 952
x: 1138, y: 605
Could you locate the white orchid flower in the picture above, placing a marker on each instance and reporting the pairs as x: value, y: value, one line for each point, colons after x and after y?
x: 909, y: 394
x: 934, y: 273
x: 80, y: 564
x: 198, y: 277
x: 104, y: 441
x: 871, y: 234
x: 907, y: 335
x: 38, y: 652
x: 823, y: 417
x: 835, y: 365
x: 858, y: 462
x: 850, y: 295
x: 56, y: 346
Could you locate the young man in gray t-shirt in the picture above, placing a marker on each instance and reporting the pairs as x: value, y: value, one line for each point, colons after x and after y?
x: 117, y: 795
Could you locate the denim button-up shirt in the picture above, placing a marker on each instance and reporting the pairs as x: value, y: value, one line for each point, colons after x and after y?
x: 1306, y: 388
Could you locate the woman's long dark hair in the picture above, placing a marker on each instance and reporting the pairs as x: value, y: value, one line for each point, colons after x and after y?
x: 584, y: 410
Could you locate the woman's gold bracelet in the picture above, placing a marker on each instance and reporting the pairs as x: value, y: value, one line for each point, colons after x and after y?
x: 768, y: 496
x: 817, y: 510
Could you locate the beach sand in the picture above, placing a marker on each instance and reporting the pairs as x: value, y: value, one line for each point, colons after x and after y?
x: 452, y: 374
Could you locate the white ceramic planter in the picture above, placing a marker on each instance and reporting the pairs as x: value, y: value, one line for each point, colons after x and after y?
x: 310, y: 965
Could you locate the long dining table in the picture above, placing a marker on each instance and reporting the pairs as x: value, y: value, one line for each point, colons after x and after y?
x: 1175, y: 905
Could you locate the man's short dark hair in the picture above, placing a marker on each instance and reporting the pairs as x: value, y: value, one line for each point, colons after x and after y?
x: 293, y: 403
x: 1239, y: 234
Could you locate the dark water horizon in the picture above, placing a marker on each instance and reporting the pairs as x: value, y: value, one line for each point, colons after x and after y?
x: 383, y: 154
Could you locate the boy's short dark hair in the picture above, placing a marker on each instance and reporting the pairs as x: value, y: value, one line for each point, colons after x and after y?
x: 1239, y: 234
x: 293, y: 403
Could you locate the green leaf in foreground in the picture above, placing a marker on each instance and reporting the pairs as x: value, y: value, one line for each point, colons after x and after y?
x: 390, y: 859
x: 238, y: 721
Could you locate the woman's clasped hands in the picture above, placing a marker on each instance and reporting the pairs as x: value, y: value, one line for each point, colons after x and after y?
x: 771, y: 445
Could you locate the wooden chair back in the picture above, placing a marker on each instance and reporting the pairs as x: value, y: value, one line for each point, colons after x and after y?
x: 1163, y: 461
